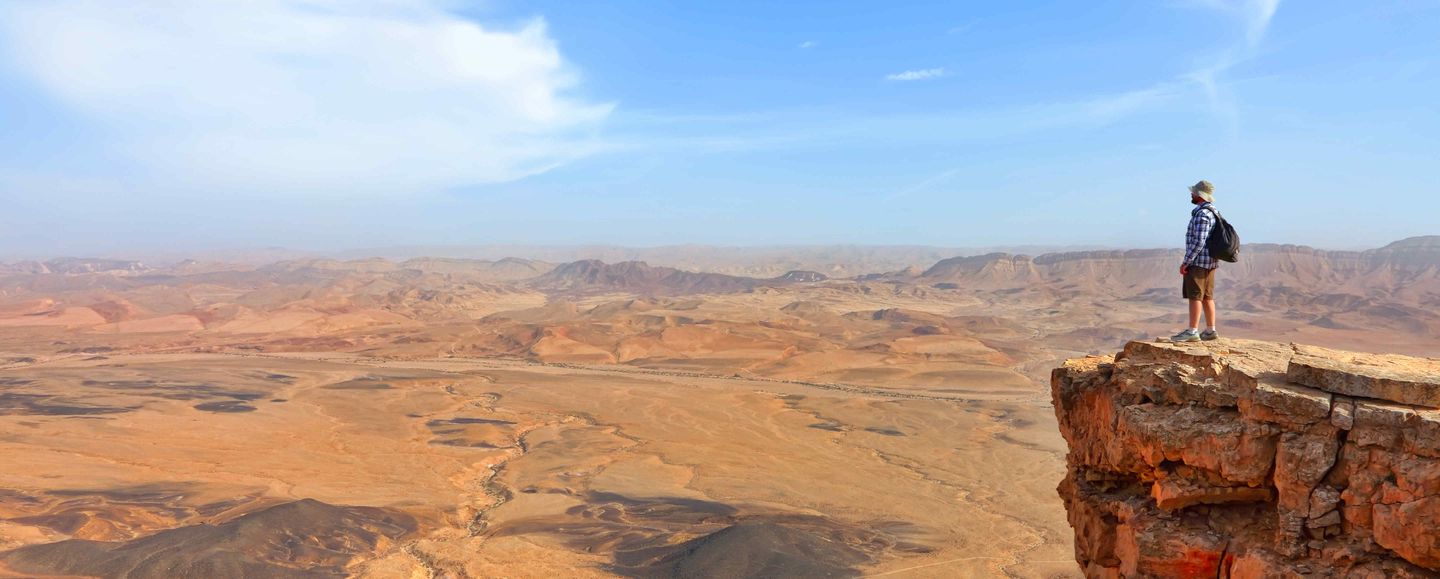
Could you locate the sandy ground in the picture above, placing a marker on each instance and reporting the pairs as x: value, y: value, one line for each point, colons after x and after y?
x: 449, y: 423
x: 508, y: 462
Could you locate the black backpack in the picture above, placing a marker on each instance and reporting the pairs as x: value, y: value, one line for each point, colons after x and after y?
x: 1224, y: 243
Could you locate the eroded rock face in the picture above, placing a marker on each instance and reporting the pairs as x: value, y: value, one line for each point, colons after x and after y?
x: 1237, y: 458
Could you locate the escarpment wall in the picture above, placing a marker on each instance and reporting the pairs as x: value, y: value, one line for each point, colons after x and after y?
x: 1238, y: 458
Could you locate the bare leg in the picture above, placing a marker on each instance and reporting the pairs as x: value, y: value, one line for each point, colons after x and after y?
x: 1210, y: 320
x: 1194, y: 313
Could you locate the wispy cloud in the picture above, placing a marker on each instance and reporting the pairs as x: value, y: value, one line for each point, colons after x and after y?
x: 810, y: 128
x: 1255, y: 17
x: 1254, y: 14
x: 809, y: 44
x: 923, y: 185
x: 919, y: 74
x: 295, y: 97
x: 1258, y: 14
x: 1113, y: 107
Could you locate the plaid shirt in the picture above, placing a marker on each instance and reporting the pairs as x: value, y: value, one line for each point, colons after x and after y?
x: 1202, y: 220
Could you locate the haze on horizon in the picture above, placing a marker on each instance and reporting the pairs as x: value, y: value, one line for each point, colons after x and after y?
x: 327, y: 125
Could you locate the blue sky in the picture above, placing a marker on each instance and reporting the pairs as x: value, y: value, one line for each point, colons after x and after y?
x: 323, y: 124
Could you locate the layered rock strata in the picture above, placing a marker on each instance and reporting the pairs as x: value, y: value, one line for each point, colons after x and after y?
x: 1238, y: 458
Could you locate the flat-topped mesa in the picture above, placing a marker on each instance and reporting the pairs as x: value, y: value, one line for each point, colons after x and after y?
x: 1238, y: 458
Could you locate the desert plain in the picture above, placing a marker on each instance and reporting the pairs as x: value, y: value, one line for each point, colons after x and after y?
x: 707, y: 413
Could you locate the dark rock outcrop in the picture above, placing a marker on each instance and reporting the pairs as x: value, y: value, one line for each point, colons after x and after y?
x: 304, y: 538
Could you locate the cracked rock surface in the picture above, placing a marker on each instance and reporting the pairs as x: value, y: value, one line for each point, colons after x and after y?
x: 1239, y: 458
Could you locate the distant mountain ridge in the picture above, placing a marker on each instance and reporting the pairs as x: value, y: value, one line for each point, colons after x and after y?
x: 593, y: 274
x: 506, y: 269
x: 833, y: 260
x: 1397, y: 264
x: 74, y: 265
x: 552, y: 309
x: 1407, y: 260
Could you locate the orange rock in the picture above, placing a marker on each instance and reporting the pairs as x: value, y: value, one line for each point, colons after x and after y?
x: 1409, y: 530
x: 1201, y: 460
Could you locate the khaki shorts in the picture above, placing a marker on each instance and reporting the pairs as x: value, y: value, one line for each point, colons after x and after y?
x: 1199, y: 284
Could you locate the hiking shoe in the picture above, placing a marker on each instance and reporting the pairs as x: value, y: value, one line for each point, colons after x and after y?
x: 1208, y: 335
x: 1188, y: 335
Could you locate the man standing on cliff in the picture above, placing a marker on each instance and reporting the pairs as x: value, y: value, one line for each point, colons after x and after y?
x: 1198, y: 269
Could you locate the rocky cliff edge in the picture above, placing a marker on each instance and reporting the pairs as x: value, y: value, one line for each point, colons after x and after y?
x: 1238, y: 458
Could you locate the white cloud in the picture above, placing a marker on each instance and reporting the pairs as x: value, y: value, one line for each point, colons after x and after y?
x: 1255, y: 17
x: 809, y: 44
x: 921, y: 74
x: 1258, y: 14
x: 323, y: 97
x: 1110, y: 108
x: 1254, y: 14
